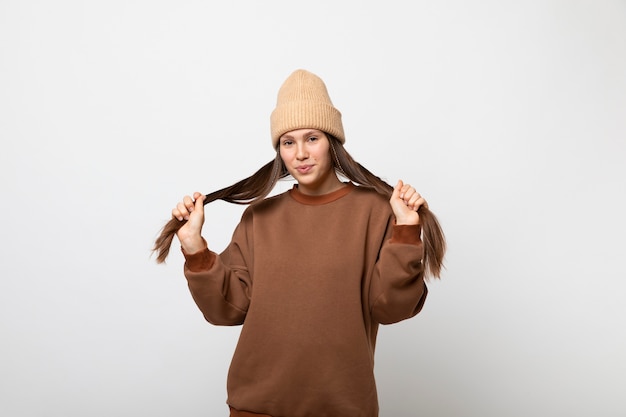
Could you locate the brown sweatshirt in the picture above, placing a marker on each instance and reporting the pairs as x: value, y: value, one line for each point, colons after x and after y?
x: 310, y: 278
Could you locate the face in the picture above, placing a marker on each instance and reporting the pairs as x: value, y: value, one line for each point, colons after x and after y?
x: 306, y: 154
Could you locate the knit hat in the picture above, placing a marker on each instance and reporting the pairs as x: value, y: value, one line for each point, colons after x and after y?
x: 303, y: 102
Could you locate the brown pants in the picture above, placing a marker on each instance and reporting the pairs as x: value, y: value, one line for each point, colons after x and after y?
x: 237, y: 413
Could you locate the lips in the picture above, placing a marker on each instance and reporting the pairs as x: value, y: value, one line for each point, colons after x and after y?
x: 303, y: 169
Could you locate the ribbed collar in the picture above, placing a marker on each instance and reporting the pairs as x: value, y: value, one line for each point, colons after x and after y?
x: 316, y: 200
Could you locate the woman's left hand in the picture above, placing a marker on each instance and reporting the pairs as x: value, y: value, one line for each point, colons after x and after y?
x: 405, y: 201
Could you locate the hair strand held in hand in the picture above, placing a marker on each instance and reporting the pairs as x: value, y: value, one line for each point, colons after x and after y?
x: 254, y: 188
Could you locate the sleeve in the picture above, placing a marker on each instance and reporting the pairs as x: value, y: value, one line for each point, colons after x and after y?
x: 398, y: 290
x: 221, y: 285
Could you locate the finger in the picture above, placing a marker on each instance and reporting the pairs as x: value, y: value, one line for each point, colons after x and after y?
x: 409, y: 195
x: 419, y: 203
x: 177, y: 214
x: 188, y: 202
x: 180, y: 211
x: 412, y: 197
x: 406, y: 189
x: 396, y: 189
x: 199, y: 200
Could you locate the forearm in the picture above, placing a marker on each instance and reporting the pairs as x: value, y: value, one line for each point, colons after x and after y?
x: 398, y: 290
x: 217, y: 291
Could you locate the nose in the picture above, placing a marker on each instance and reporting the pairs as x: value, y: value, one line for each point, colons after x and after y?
x: 302, y: 153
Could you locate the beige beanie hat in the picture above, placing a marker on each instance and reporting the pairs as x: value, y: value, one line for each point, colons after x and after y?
x: 303, y: 102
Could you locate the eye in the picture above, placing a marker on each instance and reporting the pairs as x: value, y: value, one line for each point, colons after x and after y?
x: 312, y: 138
x: 287, y: 142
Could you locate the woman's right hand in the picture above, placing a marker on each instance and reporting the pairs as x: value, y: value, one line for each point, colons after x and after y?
x: 190, y: 234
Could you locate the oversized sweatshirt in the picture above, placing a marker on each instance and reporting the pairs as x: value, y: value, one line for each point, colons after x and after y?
x: 310, y: 278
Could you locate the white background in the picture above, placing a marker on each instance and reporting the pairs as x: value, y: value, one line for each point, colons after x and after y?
x: 509, y: 116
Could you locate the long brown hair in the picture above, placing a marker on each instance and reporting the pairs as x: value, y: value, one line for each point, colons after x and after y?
x: 258, y: 186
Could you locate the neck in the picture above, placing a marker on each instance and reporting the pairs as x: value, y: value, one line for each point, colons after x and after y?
x: 331, y: 183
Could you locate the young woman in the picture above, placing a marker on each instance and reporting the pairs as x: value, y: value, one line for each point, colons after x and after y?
x: 311, y: 272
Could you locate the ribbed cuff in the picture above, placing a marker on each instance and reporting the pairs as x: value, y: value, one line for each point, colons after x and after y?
x: 199, y: 261
x: 406, y: 233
